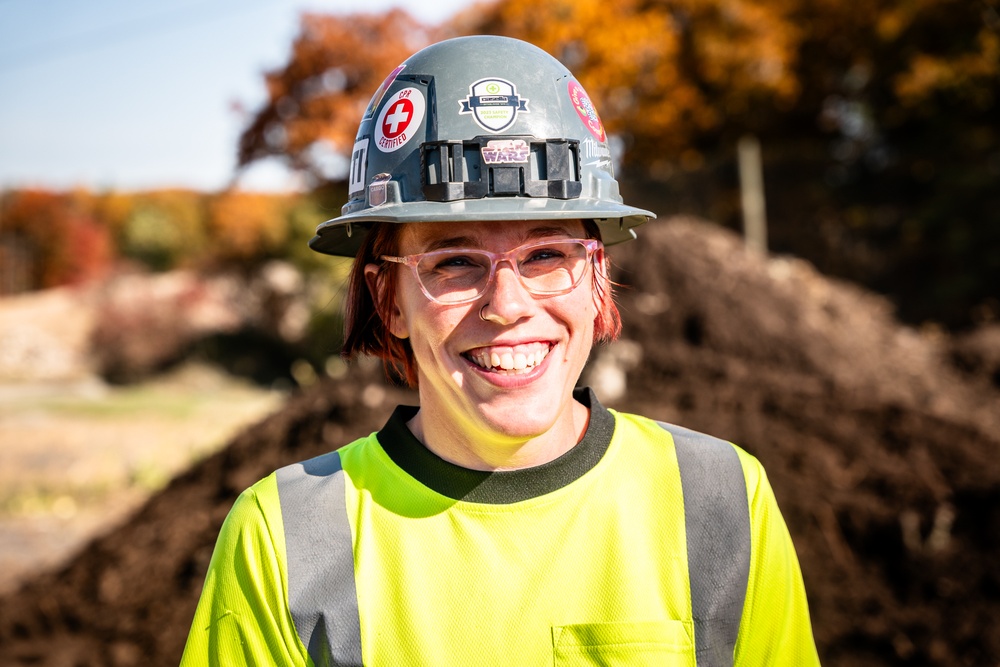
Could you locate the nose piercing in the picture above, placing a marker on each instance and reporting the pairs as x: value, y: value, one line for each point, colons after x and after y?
x: 481, y: 316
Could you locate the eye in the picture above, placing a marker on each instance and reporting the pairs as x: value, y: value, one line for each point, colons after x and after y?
x: 459, y: 261
x: 544, y: 253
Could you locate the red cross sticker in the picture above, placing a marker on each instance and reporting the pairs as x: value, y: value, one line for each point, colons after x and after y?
x: 398, y: 119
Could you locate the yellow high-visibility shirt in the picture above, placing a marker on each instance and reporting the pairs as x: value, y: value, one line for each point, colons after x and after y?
x: 410, y: 560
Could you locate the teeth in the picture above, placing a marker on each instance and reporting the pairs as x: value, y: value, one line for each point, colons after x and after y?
x: 510, y: 360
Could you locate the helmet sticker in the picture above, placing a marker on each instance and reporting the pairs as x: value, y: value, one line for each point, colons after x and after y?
x: 505, y: 151
x: 377, y: 189
x: 493, y: 103
x: 399, y: 119
x: 380, y: 93
x: 359, y: 163
x: 596, y: 153
x: 585, y: 109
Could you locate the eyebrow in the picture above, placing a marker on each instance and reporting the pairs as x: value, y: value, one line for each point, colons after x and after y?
x: 470, y: 242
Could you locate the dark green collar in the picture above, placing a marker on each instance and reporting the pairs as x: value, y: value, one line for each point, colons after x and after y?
x: 504, y: 486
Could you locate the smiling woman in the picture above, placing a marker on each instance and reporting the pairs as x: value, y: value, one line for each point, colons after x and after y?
x: 507, y: 320
x: 509, y: 518
x: 369, y: 311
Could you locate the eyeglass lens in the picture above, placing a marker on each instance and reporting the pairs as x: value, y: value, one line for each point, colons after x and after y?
x: 545, y: 269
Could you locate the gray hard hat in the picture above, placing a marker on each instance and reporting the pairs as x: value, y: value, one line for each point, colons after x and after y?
x: 474, y: 129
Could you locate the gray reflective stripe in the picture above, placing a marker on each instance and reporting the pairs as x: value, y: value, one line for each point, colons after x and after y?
x: 717, y: 518
x: 322, y: 596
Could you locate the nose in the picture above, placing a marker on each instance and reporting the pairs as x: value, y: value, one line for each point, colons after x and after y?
x: 508, y: 301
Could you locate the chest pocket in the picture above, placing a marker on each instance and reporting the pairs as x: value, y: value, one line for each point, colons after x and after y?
x: 660, y: 643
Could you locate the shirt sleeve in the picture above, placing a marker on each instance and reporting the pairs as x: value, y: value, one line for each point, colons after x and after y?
x: 242, y: 616
x: 775, y: 629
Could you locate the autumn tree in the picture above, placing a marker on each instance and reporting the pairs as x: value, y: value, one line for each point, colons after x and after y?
x: 663, y: 74
x: 245, y: 227
x: 315, y: 101
x: 898, y: 104
x: 653, y: 74
x: 163, y: 229
x: 51, y: 239
x: 879, y: 122
x: 879, y: 119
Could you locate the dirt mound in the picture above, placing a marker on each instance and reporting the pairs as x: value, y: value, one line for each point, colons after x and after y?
x: 880, y: 451
x: 129, y: 597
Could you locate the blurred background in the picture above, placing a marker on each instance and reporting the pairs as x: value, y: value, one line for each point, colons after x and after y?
x: 155, y: 290
x: 823, y: 285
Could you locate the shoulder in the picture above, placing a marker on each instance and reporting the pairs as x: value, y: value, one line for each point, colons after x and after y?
x: 632, y: 425
x: 256, y: 502
x: 329, y: 465
x: 705, y: 452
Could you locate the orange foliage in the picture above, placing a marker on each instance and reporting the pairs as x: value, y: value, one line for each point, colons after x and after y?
x: 928, y: 73
x: 244, y: 226
x: 49, y: 239
x: 921, y: 47
x: 57, y: 237
x: 316, y: 101
x: 666, y: 71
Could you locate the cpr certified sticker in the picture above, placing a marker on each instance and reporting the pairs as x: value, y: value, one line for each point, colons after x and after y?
x: 399, y: 120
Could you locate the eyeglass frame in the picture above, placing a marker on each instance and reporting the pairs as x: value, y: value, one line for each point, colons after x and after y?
x: 591, y: 246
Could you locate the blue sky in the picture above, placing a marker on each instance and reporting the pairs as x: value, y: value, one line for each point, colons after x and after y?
x: 138, y: 94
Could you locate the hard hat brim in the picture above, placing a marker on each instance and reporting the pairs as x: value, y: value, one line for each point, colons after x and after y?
x: 343, y: 235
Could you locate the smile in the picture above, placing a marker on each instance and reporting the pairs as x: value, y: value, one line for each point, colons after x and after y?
x: 507, y: 359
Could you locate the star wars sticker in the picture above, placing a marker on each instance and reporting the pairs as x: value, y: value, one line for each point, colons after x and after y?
x: 494, y: 104
x: 505, y: 151
x: 399, y: 120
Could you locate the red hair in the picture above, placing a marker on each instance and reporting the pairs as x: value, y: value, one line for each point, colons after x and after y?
x: 366, y: 322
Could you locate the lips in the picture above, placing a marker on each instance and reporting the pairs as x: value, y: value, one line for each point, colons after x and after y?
x: 509, y: 359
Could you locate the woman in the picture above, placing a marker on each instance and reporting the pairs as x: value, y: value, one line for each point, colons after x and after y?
x: 509, y: 519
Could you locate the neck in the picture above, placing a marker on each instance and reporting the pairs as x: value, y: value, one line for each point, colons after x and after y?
x: 479, y: 447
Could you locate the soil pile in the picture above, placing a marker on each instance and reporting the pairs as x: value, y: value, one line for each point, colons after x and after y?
x: 879, y: 443
x: 881, y: 452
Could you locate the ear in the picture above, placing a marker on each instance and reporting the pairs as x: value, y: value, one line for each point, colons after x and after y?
x: 393, y: 320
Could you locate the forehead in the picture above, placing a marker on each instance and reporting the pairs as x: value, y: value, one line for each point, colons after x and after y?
x: 492, y: 235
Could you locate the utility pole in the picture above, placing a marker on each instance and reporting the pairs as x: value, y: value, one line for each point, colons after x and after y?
x: 752, y: 195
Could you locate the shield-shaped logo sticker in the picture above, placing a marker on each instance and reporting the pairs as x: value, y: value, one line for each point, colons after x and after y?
x: 494, y: 104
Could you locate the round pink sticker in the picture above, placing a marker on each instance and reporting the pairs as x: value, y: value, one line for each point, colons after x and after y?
x: 585, y: 108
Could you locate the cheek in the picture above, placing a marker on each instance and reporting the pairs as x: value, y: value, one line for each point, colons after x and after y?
x: 410, y: 307
x: 578, y: 315
x: 428, y: 327
x: 589, y: 305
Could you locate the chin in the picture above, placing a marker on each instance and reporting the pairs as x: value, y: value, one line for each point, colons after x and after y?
x: 520, y: 420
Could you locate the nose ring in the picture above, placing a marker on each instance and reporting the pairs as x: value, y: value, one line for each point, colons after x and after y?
x: 481, y: 316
